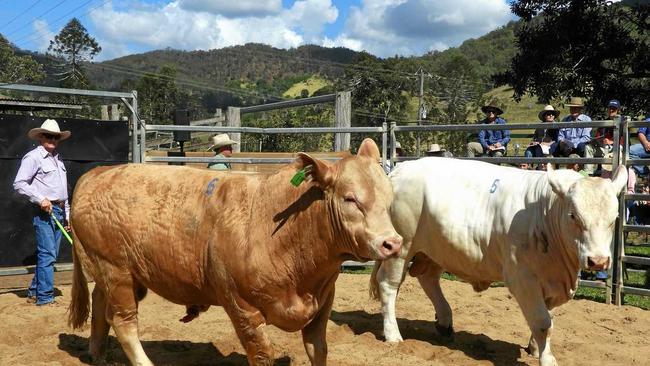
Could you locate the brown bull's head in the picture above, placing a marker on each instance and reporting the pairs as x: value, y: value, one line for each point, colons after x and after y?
x: 359, y: 196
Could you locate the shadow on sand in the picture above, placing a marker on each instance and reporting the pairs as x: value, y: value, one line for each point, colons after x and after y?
x: 477, y: 346
x: 172, y: 352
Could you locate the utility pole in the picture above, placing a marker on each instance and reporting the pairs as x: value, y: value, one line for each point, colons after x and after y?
x: 420, y: 106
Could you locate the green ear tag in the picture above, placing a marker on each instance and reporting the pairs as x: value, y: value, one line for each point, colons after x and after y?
x: 299, y: 177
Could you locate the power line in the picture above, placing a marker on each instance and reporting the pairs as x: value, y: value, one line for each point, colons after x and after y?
x: 60, y: 18
x: 38, y: 17
x: 21, y: 14
x: 186, y: 82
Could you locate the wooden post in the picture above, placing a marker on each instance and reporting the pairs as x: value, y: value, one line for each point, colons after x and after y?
x: 115, y: 113
x: 104, y: 112
x: 233, y: 119
x: 343, y: 119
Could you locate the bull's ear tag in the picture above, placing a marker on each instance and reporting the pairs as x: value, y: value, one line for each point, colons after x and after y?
x: 299, y: 177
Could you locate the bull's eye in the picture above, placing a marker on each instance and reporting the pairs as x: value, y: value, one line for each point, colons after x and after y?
x: 572, y: 215
x: 350, y: 199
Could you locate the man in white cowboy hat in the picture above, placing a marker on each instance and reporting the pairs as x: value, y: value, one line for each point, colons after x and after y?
x: 490, y: 142
x: 222, y: 145
x: 436, y: 150
x: 573, y: 140
x: 42, y: 179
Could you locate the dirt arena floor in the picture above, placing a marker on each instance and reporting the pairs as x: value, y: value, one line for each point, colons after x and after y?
x: 490, y: 330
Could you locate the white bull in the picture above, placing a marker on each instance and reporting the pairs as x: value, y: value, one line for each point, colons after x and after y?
x: 534, y: 230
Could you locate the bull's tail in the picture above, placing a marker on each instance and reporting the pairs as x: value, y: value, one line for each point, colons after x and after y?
x: 374, y: 284
x: 79, y: 308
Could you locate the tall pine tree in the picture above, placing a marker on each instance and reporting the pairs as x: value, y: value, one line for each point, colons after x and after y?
x: 74, y: 46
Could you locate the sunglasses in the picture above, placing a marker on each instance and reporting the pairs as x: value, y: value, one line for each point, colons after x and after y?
x: 49, y: 136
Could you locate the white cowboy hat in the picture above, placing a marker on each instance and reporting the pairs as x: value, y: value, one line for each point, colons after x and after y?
x: 548, y: 108
x: 221, y: 140
x: 50, y: 127
x: 435, y: 148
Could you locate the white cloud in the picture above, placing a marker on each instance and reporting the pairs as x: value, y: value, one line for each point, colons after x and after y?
x: 42, y: 36
x: 381, y: 27
x: 408, y: 27
x: 174, y: 26
x: 229, y: 8
x: 311, y: 16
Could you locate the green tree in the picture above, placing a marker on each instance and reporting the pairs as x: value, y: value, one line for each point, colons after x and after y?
x: 590, y: 48
x: 378, y: 93
x: 158, y: 95
x: 17, y: 69
x: 74, y: 45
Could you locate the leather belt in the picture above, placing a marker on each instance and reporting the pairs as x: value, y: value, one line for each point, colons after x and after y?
x: 60, y: 204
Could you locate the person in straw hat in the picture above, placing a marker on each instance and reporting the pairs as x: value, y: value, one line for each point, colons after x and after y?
x: 544, y: 141
x: 222, y: 145
x: 436, y: 150
x: 490, y: 142
x: 573, y: 140
x: 42, y: 179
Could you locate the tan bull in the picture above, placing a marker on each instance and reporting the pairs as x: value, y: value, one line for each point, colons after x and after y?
x: 268, y: 252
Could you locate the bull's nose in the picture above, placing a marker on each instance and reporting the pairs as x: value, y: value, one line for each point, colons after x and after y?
x: 598, y: 263
x: 391, y: 246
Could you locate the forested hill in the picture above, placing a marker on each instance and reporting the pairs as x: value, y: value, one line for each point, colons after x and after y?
x: 252, y: 63
x: 488, y: 55
x: 263, y: 66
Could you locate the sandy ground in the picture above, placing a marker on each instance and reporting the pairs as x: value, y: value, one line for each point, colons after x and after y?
x: 490, y: 330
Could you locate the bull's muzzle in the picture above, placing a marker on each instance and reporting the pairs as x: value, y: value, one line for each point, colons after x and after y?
x: 598, y: 263
x: 391, y: 246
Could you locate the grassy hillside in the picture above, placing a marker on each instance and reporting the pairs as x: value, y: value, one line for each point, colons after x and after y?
x: 313, y: 84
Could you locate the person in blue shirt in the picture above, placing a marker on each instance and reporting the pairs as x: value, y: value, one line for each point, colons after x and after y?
x: 642, y: 149
x: 573, y: 140
x: 490, y: 142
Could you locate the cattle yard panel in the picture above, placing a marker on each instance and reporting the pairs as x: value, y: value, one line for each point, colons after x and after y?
x: 621, y: 258
x: 180, y: 159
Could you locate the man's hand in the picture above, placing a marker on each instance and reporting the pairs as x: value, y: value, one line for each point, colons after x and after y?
x: 497, y: 144
x: 646, y: 146
x: 46, y: 206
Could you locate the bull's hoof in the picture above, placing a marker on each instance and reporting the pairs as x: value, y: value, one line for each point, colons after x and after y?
x: 446, y: 332
x: 394, y: 338
x: 532, y: 348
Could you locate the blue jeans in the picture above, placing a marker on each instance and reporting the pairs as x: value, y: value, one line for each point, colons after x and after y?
x: 637, y: 151
x: 48, y: 238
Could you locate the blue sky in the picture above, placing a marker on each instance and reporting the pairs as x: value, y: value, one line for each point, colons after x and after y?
x: 381, y: 27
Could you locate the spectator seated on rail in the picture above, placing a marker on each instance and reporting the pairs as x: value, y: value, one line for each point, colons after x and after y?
x: 602, y: 144
x: 574, y: 139
x: 545, y: 140
x: 490, y: 142
x: 642, y: 149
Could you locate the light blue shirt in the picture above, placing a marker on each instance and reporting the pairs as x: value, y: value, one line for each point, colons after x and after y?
x: 42, y: 175
x: 575, y: 135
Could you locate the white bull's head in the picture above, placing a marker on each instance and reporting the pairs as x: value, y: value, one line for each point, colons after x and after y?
x: 588, y: 212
